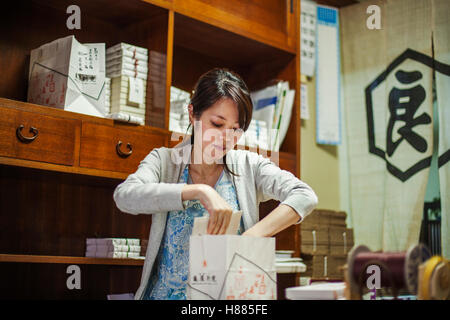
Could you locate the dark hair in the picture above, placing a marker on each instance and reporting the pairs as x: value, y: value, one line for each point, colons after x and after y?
x: 221, y: 83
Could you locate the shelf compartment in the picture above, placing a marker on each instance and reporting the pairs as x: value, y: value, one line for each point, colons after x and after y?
x: 131, y: 21
x: 266, y: 21
x: 199, y: 46
x: 52, y: 213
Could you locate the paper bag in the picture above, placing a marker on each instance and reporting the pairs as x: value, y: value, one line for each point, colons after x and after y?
x: 225, y: 267
x: 68, y: 75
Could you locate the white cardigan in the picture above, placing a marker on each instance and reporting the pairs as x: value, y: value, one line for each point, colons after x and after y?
x: 154, y: 189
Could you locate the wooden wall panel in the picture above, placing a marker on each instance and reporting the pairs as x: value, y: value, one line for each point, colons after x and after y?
x: 51, y: 213
x: 48, y: 281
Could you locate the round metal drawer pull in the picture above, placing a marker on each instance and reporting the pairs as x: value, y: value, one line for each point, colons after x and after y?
x: 121, y: 153
x: 24, y: 139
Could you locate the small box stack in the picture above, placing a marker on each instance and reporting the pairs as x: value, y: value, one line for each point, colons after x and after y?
x: 286, y: 263
x: 127, y: 66
x: 107, y: 95
x: 113, y: 248
x: 179, y: 115
x: 156, y: 90
x: 325, y: 243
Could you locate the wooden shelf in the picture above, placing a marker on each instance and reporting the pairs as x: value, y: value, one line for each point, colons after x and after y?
x: 60, y: 168
x: 25, y: 258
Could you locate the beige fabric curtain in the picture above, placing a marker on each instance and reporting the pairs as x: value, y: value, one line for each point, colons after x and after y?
x: 441, y: 41
x: 387, y: 79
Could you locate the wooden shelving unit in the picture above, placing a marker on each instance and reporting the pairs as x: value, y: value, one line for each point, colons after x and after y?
x: 57, y: 191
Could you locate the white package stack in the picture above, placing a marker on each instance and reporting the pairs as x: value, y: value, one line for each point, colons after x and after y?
x: 113, y: 241
x: 127, y: 66
x: 107, y: 95
x: 113, y: 248
x: 319, y: 291
x: 179, y: 115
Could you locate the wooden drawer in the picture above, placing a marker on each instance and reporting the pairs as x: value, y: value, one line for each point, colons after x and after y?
x: 52, y: 140
x: 101, y: 148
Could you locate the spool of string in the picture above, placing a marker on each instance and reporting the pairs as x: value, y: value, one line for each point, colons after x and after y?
x: 392, y: 268
x: 397, y: 270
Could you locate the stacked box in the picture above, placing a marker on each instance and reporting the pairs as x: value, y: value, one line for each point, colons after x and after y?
x: 325, y: 218
x: 325, y: 243
x: 315, y: 266
x: 324, y: 266
x: 107, y: 95
x: 341, y: 241
x: 127, y: 66
x: 336, y: 266
x: 113, y: 248
x: 119, y: 98
x: 156, y: 89
x: 337, y: 219
x: 179, y: 115
x: 314, y: 241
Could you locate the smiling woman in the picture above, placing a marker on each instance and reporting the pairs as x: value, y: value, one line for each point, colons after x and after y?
x: 222, y: 107
x: 214, y: 180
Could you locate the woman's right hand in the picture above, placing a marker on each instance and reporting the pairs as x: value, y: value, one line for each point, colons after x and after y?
x: 219, y: 210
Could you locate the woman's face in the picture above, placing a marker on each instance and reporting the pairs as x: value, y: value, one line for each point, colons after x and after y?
x: 220, y: 130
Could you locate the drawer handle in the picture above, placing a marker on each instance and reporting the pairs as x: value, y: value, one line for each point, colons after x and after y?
x: 121, y: 153
x: 24, y: 139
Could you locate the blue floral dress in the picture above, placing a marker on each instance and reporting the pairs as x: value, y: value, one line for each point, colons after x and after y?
x: 170, y: 274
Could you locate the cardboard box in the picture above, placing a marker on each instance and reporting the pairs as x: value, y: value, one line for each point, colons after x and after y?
x: 314, y: 241
x: 341, y: 241
x: 324, y: 266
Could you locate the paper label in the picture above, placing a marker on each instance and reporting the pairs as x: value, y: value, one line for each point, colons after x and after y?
x: 304, y: 111
x: 136, y: 91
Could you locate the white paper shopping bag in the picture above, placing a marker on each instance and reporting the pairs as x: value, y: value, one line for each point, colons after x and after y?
x: 231, y: 267
x: 68, y: 75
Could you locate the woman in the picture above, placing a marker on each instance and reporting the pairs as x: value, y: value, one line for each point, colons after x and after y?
x: 217, y: 182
